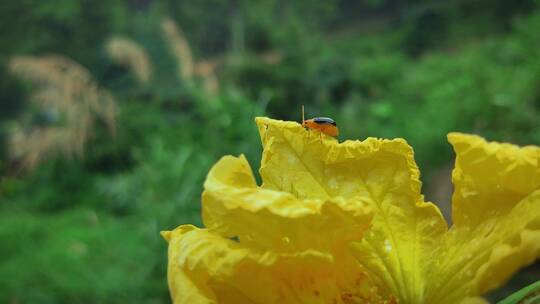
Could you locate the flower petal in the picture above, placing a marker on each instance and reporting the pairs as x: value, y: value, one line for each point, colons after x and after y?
x: 300, y: 162
x: 405, y: 230
x: 278, y: 221
x: 476, y: 300
x: 491, y: 177
x: 206, y: 268
x: 497, y: 218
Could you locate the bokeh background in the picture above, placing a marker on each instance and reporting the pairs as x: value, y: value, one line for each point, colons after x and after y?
x: 112, y: 112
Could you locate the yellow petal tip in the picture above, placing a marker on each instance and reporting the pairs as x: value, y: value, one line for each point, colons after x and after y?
x: 166, y: 235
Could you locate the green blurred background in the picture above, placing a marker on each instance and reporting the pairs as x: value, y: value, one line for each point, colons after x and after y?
x: 112, y: 112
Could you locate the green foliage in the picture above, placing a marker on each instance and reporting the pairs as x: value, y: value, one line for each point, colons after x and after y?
x: 44, y: 261
x: 487, y: 87
x: 527, y: 295
x: 88, y: 230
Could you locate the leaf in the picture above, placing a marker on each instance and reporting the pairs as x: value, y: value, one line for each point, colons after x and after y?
x: 526, y: 295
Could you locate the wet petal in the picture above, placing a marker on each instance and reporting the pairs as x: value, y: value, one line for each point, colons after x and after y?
x: 273, y: 220
x: 302, y: 234
x: 490, y: 177
x: 206, y: 268
x: 397, y: 252
x: 497, y: 212
x: 300, y: 162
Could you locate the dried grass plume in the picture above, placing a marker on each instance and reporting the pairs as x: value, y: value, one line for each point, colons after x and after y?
x: 63, y: 87
x: 130, y: 54
x: 179, y: 47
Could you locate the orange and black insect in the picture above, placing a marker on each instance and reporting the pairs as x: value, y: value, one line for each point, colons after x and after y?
x: 324, y: 124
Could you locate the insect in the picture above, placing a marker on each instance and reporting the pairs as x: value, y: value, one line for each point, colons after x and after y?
x: 324, y: 124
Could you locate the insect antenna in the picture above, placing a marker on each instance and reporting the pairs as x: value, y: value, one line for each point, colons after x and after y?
x: 302, y: 114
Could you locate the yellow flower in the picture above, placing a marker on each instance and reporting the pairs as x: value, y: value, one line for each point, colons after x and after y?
x: 346, y: 223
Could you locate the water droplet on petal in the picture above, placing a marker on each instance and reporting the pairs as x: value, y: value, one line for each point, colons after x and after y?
x: 387, y: 246
x: 332, y: 183
x: 292, y: 160
x: 286, y: 240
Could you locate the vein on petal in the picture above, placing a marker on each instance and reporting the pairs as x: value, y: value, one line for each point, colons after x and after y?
x: 323, y: 187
